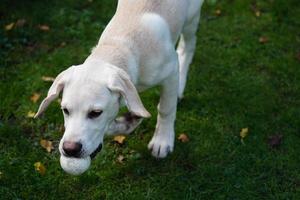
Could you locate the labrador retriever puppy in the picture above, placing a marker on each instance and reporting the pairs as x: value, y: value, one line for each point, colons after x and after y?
x: 136, y: 51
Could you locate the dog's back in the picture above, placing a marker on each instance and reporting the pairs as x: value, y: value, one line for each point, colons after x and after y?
x: 175, y: 12
x: 145, y: 23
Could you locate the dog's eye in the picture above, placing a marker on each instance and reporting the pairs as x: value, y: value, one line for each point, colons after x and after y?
x: 66, y: 111
x: 94, y: 114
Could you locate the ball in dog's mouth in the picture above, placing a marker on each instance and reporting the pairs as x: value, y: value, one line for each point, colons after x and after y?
x: 75, y: 166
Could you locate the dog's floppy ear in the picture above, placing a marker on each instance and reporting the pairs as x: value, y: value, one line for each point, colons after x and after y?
x: 122, y: 84
x: 54, y: 90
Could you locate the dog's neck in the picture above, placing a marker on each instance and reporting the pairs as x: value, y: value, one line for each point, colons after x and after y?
x: 117, y: 54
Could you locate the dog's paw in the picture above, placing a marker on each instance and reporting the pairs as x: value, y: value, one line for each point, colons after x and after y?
x: 161, y: 145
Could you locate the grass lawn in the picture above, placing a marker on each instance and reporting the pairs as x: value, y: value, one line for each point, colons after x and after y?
x: 245, y: 74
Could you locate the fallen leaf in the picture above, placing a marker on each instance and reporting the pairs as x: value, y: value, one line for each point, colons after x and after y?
x: 63, y: 44
x: 30, y: 114
x: 119, y: 139
x: 44, y: 27
x: 257, y: 13
x: 263, y: 39
x: 244, y: 132
x: 10, y: 26
x: 274, y: 141
x: 20, y: 22
x: 48, y: 78
x: 183, y: 138
x: 218, y: 12
x: 39, y: 167
x: 35, y: 97
x: 298, y: 56
x: 132, y: 151
x: 121, y: 159
x: 46, y: 144
x: 1, y: 174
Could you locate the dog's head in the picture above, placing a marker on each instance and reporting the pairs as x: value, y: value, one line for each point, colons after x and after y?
x: 90, y: 102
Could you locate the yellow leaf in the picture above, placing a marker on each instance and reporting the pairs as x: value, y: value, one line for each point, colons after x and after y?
x: 44, y: 27
x: 10, y: 26
x: 48, y: 78
x: 218, y: 12
x: 244, y: 132
x: 1, y: 174
x: 30, y: 114
x: 39, y: 167
x: 257, y: 13
x: 120, y: 159
x: 119, y: 139
x: 183, y: 138
x: 46, y: 144
x: 35, y: 97
x: 263, y: 39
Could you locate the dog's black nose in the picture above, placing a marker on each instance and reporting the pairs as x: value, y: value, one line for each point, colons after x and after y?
x: 72, y: 149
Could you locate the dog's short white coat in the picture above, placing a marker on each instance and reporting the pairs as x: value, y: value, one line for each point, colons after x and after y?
x: 136, y: 51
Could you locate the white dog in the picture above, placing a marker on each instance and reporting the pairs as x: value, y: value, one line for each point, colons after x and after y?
x: 135, y: 52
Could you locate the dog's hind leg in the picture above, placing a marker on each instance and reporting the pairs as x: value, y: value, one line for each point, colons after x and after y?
x: 187, y: 44
x: 124, y: 124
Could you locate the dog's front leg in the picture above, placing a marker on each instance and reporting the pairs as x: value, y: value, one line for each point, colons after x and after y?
x: 162, y: 142
x: 124, y: 124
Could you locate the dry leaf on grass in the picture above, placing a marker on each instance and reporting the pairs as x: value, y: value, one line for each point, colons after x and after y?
x: 48, y: 78
x: 35, y: 97
x: 30, y: 114
x: 46, y: 144
x: 183, y: 138
x: 257, y: 13
x: 218, y: 12
x: 298, y: 56
x: 120, y: 159
x: 63, y: 44
x: 10, y: 26
x: 39, y: 167
x: 1, y: 173
x: 263, y: 39
x: 274, y: 141
x: 119, y: 139
x: 20, y: 22
x: 244, y: 132
x: 44, y: 27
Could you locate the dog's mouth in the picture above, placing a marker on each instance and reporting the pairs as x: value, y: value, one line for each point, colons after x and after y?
x: 93, y: 155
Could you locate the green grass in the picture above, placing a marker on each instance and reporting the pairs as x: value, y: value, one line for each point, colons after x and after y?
x: 234, y: 82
